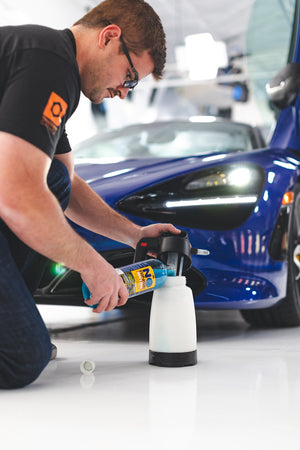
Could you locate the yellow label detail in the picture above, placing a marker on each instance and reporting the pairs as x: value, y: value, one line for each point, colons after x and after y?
x: 138, y: 280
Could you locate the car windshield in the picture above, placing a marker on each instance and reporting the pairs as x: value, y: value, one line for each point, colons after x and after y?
x: 169, y: 140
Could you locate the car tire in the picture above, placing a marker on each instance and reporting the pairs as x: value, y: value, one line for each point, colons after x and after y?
x: 287, y: 312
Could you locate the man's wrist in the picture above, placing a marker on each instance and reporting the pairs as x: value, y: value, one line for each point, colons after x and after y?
x: 135, y: 236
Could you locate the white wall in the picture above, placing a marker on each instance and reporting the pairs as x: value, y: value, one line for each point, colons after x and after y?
x: 54, y: 13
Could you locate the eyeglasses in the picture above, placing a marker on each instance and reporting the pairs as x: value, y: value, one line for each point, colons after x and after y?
x: 129, y: 84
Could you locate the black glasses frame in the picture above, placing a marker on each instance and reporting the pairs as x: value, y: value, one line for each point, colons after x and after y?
x: 129, y: 84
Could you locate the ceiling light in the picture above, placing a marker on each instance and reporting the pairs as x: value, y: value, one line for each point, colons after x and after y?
x: 204, y: 56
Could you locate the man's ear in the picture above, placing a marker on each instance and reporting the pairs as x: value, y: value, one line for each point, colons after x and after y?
x: 108, y: 33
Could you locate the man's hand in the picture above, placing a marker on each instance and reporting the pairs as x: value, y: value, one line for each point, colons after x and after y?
x: 106, y: 287
x: 155, y: 230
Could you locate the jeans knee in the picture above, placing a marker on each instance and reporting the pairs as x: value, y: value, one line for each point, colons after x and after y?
x: 24, y: 366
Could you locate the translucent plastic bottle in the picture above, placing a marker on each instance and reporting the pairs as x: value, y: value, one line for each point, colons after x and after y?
x: 140, y: 277
x: 173, y: 329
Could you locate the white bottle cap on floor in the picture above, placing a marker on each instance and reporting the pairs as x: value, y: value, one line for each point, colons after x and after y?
x: 87, y: 367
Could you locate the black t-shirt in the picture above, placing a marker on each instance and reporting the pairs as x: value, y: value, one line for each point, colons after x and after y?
x: 39, y: 85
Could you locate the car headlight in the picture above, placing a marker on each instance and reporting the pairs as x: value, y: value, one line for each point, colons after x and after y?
x: 229, y: 176
x: 221, y: 197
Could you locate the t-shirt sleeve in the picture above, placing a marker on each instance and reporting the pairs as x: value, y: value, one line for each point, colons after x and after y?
x: 63, y: 145
x: 39, y: 97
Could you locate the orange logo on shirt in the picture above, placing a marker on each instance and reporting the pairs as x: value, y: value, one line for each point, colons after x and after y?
x: 53, y: 113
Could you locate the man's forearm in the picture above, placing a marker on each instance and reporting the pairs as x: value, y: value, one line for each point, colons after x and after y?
x: 89, y: 210
x: 45, y: 229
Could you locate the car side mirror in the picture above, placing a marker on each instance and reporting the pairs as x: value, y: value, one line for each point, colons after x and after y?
x: 283, y: 89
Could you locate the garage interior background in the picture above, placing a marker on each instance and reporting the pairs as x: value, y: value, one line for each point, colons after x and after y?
x: 249, y: 58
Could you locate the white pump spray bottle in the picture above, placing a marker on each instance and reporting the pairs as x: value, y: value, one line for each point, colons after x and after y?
x: 172, y: 330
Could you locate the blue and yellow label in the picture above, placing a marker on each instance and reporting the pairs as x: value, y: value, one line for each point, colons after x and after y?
x: 138, y: 280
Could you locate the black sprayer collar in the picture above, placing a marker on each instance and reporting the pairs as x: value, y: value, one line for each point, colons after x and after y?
x: 164, y: 246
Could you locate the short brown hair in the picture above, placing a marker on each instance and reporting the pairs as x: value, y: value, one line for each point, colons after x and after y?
x: 141, y: 27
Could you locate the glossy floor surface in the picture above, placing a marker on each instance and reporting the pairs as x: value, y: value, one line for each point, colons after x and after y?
x: 244, y: 393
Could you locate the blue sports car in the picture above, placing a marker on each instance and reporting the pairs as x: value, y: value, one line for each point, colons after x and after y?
x: 213, y: 179
x: 236, y: 197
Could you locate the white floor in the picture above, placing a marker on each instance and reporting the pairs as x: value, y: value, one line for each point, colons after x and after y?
x: 244, y: 393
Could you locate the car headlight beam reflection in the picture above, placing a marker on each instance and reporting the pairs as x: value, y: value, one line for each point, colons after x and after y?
x: 236, y: 200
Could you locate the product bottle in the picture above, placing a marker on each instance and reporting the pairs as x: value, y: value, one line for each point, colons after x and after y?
x: 173, y: 329
x: 140, y: 277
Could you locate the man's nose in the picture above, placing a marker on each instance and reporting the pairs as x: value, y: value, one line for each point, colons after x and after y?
x: 123, y: 92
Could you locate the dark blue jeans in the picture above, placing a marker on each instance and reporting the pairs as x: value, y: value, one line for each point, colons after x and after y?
x: 25, y: 346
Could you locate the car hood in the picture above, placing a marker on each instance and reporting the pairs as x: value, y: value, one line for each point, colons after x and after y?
x: 93, y: 170
x: 132, y: 174
x: 116, y: 180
